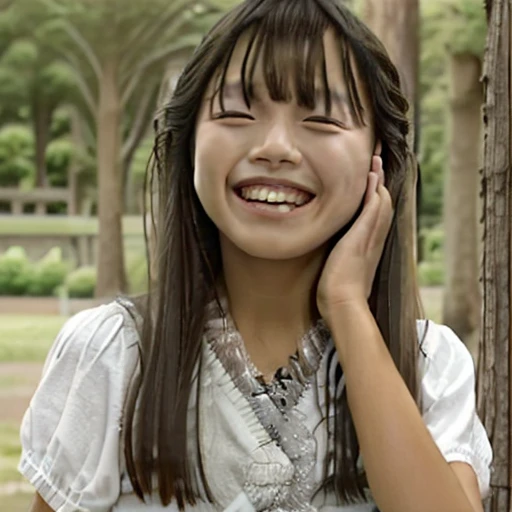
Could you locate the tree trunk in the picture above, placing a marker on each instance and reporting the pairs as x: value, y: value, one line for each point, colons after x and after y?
x: 462, y: 299
x: 396, y: 23
x: 74, y: 167
x: 494, y: 379
x: 42, y: 115
x: 111, y: 274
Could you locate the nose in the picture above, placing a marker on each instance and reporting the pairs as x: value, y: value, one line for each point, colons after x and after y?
x: 276, y: 148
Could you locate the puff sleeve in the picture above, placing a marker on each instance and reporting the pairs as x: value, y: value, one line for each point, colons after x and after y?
x: 449, y: 406
x: 70, y: 434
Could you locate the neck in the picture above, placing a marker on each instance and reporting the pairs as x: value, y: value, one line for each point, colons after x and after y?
x: 273, y: 303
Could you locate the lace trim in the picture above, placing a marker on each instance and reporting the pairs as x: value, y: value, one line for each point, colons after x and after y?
x: 275, y: 404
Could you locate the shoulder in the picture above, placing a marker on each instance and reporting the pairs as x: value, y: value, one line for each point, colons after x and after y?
x: 70, y: 434
x: 448, y: 400
x: 434, y: 337
x: 98, y: 334
x: 444, y: 359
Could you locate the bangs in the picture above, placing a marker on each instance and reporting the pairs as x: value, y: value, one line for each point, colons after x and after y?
x: 288, y: 42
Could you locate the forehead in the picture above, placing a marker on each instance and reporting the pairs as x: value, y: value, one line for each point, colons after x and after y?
x: 286, y: 57
x: 297, y: 69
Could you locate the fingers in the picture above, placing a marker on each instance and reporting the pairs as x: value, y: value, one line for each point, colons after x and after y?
x: 376, y: 178
x: 378, y: 213
x: 384, y: 217
x: 377, y: 168
x: 375, y: 220
x: 372, y: 186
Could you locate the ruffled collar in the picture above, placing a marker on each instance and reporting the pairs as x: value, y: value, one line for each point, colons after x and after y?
x: 274, y: 403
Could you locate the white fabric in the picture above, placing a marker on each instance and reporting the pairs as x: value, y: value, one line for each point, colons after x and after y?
x: 71, y: 441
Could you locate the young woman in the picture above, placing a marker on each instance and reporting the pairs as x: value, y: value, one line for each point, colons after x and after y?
x: 278, y: 363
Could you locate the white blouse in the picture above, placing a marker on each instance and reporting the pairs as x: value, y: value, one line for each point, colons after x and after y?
x: 71, y: 434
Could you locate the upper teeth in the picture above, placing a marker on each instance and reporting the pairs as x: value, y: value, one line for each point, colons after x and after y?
x: 269, y: 195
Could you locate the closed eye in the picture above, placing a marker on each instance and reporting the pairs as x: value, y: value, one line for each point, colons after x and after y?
x: 325, y: 121
x: 233, y: 114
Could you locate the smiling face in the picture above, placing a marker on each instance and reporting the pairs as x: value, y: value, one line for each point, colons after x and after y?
x: 280, y: 178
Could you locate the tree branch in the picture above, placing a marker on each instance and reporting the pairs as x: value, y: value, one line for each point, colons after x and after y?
x: 185, y: 43
x: 145, y: 33
x: 81, y: 83
x: 82, y: 43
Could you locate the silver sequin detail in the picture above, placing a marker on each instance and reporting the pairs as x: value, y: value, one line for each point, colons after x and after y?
x: 275, y: 406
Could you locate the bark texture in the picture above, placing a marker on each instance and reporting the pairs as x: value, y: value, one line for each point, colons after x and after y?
x: 494, y: 384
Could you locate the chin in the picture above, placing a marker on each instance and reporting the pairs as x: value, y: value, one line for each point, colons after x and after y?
x: 273, y: 250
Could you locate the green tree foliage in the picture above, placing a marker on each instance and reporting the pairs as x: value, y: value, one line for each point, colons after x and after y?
x: 118, y: 52
x: 16, y: 154
x: 32, y: 82
x: 59, y: 154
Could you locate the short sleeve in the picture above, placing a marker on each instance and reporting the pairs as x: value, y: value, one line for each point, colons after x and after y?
x: 449, y: 405
x: 70, y: 434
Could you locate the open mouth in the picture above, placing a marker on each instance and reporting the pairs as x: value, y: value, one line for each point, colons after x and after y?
x: 274, y: 198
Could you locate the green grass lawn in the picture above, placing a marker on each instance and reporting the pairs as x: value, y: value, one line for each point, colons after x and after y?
x: 27, y: 338
x: 56, y: 225
x: 10, y: 452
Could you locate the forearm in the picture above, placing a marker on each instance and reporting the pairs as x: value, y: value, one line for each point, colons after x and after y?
x: 405, y: 469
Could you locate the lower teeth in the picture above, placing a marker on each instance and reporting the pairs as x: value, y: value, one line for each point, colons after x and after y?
x: 280, y: 207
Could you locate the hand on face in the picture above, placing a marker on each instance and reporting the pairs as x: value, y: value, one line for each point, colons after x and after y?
x: 349, y: 271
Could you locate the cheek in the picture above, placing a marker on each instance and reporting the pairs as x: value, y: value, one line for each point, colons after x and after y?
x: 345, y: 175
x: 216, y: 155
x: 207, y: 160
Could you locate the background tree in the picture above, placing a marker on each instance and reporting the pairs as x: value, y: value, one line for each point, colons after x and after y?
x: 494, y: 382
x: 459, y: 26
x: 117, y: 52
x: 396, y: 23
x: 31, y: 77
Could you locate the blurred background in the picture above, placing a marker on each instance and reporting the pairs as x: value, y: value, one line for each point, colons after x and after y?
x: 80, y: 81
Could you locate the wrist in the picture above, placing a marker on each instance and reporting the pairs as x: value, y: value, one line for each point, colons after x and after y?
x: 344, y: 311
x: 353, y: 327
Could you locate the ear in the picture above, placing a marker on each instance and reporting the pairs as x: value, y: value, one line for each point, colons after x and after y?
x: 378, y: 148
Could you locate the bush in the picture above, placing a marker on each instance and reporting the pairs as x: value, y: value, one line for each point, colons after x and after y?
x: 433, y: 244
x: 431, y: 273
x: 49, y: 274
x: 16, y: 154
x: 59, y: 155
x: 15, y: 272
x: 80, y: 283
x: 137, y: 272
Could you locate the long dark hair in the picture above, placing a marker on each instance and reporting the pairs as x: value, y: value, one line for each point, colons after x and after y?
x: 188, y: 253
